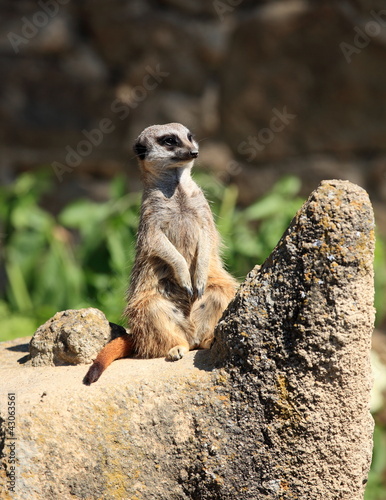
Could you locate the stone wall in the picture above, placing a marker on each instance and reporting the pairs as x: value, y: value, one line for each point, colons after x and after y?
x: 279, y: 87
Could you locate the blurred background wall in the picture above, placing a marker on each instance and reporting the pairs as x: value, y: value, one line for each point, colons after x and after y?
x: 268, y: 87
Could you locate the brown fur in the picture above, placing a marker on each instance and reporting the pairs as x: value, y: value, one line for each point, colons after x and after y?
x: 179, y: 288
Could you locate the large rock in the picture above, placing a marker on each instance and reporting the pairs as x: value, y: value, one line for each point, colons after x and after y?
x: 279, y: 408
x: 297, y: 336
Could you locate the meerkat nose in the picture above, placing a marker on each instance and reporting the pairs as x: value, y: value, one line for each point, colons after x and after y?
x: 194, y: 153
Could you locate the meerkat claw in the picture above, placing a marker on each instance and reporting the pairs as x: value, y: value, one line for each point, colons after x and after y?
x: 189, y: 291
x: 200, y: 292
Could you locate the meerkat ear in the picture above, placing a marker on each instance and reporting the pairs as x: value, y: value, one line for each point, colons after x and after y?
x: 140, y: 150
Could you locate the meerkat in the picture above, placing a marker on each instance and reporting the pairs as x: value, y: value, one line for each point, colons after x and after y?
x: 179, y: 287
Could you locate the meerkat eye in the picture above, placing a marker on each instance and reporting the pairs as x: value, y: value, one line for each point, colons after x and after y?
x: 190, y: 137
x: 169, y: 140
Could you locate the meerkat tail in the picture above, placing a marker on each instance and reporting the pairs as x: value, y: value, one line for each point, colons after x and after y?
x: 121, y: 347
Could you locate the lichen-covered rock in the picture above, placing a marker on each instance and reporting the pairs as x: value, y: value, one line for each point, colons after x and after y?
x: 277, y: 410
x: 296, y: 342
x: 72, y: 337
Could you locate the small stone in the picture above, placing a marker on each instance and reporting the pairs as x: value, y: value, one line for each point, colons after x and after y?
x: 72, y: 337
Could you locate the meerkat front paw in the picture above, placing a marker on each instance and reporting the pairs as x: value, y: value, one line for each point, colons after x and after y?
x: 199, y: 291
x: 199, y: 288
x: 177, y: 352
x: 185, y: 282
x: 189, y: 291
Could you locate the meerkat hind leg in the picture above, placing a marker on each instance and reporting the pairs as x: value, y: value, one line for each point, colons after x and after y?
x: 179, y: 328
x: 207, y: 312
x: 161, y: 329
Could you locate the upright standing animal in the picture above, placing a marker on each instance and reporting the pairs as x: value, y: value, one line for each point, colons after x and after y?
x: 179, y: 288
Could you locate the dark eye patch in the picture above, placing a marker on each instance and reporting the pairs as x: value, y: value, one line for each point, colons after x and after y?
x: 190, y: 137
x: 140, y: 150
x: 169, y: 140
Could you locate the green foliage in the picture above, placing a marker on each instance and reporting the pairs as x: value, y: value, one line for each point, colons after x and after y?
x: 380, y: 279
x: 250, y: 235
x: 79, y: 259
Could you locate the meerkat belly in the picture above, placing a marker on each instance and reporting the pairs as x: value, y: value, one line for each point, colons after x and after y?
x: 183, y: 233
x: 183, y: 223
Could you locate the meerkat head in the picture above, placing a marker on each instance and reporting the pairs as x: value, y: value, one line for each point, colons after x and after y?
x: 162, y: 147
